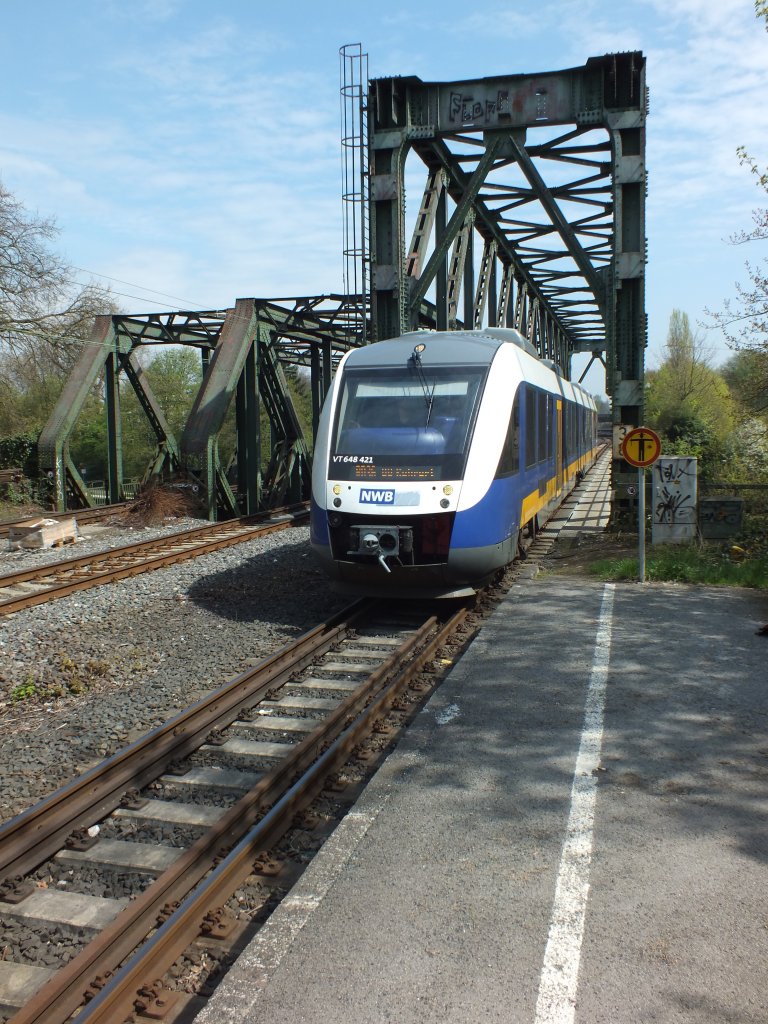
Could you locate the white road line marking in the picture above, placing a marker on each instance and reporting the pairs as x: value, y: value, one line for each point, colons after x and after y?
x: 250, y: 975
x: 556, y: 1003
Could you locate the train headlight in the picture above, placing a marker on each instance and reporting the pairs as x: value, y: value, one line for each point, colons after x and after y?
x: 444, y: 503
x: 447, y: 489
x: 337, y: 502
x: 336, y: 489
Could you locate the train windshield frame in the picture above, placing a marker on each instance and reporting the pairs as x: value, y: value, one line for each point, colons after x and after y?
x: 394, y: 424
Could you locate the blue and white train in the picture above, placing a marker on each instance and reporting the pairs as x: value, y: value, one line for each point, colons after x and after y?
x: 433, y: 454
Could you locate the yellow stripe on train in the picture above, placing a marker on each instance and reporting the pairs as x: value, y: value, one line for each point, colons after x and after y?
x: 534, y: 502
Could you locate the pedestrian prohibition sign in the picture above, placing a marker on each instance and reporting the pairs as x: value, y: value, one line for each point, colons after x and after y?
x: 641, y: 447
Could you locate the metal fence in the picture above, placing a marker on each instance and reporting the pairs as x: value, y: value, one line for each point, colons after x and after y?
x: 97, y: 490
x: 754, y: 496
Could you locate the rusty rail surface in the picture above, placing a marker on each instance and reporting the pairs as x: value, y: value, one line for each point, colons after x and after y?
x: 34, y: 835
x: 117, y: 973
x: 69, y: 575
x: 255, y: 822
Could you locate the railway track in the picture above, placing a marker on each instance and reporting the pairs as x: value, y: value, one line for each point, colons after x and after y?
x: 46, y: 583
x: 188, y: 813
x: 125, y: 893
x: 83, y: 515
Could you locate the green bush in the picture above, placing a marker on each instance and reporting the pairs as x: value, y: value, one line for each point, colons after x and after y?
x: 19, y: 450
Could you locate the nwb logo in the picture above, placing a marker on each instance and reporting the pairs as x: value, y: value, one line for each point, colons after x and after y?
x: 371, y: 497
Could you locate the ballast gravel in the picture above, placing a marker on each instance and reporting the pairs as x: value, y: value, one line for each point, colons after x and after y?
x: 83, y: 676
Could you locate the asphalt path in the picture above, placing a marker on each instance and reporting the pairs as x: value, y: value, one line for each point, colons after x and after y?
x: 573, y: 830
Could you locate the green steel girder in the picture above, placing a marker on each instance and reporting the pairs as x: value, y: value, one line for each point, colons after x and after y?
x: 177, y: 328
x: 257, y: 337
x: 53, y: 443
x: 550, y: 168
x: 114, y: 430
x: 306, y: 331
x: 566, y: 261
x: 462, y: 250
x: 484, y: 279
x: 469, y: 193
x: 107, y: 352
x: 168, y: 447
x: 199, y: 445
x: 288, y: 473
x: 425, y: 222
x: 484, y: 222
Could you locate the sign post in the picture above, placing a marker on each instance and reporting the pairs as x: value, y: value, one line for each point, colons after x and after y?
x: 641, y: 447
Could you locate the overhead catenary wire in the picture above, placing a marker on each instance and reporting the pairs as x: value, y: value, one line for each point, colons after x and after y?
x: 132, y: 284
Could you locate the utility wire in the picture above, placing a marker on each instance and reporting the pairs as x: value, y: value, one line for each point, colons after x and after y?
x: 132, y: 284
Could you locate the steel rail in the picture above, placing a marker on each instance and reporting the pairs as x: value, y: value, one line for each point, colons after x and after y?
x: 83, y: 515
x: 36, y: 834
x: 143, y: 556
x: 326, y: 747
x: 116, y: 998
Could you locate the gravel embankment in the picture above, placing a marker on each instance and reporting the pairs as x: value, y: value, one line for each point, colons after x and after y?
x: 83, y: 676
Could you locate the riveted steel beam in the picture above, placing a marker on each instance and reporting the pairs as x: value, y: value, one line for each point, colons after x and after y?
x: 484, y: 283
x: 306, y: 331
x: 551, y: 167
x: 559, y: 234
x: 53, y: 442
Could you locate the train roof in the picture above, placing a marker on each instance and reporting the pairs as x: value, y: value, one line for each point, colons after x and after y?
x: 442, y: 348
x: 454, y: 348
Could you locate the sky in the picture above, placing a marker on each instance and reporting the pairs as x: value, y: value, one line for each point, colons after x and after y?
x: 189, y: 151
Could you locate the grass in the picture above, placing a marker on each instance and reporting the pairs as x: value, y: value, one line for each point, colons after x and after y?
x: 15, y: 510
x: 709, y: 565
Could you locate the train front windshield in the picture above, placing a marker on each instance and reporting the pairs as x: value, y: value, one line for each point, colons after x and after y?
x: 393, y: 424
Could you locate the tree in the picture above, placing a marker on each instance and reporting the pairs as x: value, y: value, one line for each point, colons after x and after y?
x: 175, y: 375
x: 746, y: 374
x: 686, y: 389
x: 44, y: 314
x: 688, y: 401
x: 744, y: 320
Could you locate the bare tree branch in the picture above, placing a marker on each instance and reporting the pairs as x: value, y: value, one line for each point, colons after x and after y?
x: 44, y: 313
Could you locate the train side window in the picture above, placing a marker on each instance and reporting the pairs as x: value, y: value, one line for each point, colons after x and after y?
x: 530, y: 427
x: 543, y: 429
x: 568, y: 440
x: 509, y: 461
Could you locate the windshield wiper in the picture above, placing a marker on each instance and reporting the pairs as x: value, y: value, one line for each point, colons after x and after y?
x: 429, y: 394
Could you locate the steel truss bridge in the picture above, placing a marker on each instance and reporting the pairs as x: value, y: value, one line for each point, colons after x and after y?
x: 531, y: 214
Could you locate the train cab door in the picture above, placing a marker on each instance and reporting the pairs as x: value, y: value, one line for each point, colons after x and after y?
x: 559, y: 444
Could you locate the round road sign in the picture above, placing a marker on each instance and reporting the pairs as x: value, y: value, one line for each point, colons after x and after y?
x: 641, y: 447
